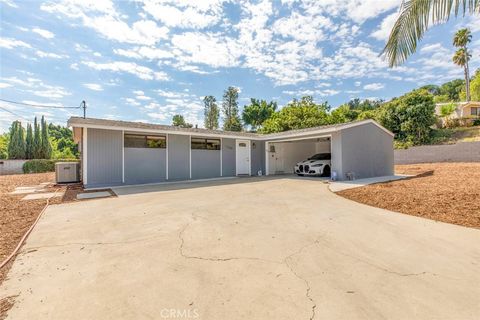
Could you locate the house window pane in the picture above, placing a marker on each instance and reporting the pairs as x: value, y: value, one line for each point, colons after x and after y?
x: 213, y: 144
x: 156, y: 142
x: 134, y: 141
x: 199, y: 143
x: 242, y: 144
x: 474, y: 111
x: 143, y: 141
x: 205, y: 144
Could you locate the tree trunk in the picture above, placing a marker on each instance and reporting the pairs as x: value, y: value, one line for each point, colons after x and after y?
x: 467, y: 76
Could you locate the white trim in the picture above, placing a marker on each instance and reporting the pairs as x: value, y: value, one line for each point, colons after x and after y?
x: 123, y: 156
x: 221, y: 157
x: 85, y: 156
x: 249, y: 152
x: 166, y: 157
x: 267, y: 158
x: 190, y: 155
x: 286, y: 134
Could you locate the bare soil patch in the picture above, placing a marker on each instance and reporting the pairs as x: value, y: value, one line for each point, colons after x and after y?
x: 447, y: 192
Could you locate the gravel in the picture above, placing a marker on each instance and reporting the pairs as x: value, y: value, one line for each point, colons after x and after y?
x: 447, y: 192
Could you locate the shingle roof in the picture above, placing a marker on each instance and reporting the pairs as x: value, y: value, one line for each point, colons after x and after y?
x: 79, y: 122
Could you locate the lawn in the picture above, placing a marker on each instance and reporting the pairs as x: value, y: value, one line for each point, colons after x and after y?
x: 447, y: 192
x: 454, y: 135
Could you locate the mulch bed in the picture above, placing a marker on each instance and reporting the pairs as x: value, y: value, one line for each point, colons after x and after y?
x: 447, y: 192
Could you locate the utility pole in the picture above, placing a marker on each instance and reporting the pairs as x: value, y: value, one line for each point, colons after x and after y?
x: 84, y: 109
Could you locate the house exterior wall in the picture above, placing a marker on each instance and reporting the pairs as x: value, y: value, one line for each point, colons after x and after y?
x: 178, y: 157
x: 145, y: 165
x: 257, y: 149
x: 205, y: 164
x: 366, y: 151
x: 336, y: 150
x: 228, y: 157
x: 104, y: 157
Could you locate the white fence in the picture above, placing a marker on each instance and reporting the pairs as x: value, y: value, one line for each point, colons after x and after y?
x: 11, y: 166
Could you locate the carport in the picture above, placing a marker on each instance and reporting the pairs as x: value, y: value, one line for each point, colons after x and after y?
x: 282, y: 155
x: 360, y: 149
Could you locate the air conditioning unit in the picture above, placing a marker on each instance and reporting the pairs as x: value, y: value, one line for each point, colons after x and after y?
x: 67, y: 172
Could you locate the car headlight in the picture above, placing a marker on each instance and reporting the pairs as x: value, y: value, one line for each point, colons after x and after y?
x: 317, y: 165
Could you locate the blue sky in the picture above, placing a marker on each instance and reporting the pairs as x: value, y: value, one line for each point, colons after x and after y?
x: 148, y: 60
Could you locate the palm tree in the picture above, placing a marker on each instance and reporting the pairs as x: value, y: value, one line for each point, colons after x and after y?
x: 414, y: 19
x: 461, y: 58
x: 460, y: 40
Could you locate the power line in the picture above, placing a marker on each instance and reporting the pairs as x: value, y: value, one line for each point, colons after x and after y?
x: 15, y: 114
x: 38, y: 105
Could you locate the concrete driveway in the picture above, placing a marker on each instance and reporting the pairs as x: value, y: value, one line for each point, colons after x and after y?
x: 253, y: 248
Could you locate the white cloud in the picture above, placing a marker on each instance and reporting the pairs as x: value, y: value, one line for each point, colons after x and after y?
x: 43, y: 54
x: 51, y: 92
x: 103, y: 18
x: 310, y: 92
x: 93, y: 86
x: 142, y: 72
x: 383, y: 32
x: 185, y: 14
x: 9, y: 43
x: 144, y: 52
x: 4, y: 85
x: 44, y: 33
x: 374, y: 86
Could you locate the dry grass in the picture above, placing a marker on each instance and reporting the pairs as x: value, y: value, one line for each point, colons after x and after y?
x: 448, y: 192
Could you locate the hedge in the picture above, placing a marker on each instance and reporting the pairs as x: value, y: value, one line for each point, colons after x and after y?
x: 42, y: 165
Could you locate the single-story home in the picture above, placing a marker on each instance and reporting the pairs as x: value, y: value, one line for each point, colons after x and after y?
x: 125, y: 153
x: 470, y: 109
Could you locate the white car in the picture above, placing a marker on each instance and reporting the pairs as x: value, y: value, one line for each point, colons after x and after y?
x: 317, y: 165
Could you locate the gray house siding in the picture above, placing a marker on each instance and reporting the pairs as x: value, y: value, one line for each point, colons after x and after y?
x: 258, y: 157
x: 104, y: 157
x: 144, y: 165
x: 178, y: 157
x: 336, y: 151
x: 228, y: 157
x: 367, y: 151
x: 205, y: 164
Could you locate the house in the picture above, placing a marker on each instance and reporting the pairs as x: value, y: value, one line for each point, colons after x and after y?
x: 469, y: 109
x: 127, y: 153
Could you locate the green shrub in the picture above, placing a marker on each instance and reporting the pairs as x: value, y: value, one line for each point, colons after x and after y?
x: 41, y: 165
x: 476, y: 122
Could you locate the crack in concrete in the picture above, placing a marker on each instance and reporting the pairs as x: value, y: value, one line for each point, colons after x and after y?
x: 284, y: 262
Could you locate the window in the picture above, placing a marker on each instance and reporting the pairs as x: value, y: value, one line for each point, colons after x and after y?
x: 242, y: 145
x: 475, y: 111
x: 144, y: 141
x: 321, y: 156
x: 205, y: 144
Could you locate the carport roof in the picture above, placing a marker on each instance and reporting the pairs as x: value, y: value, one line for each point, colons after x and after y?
x: 80, y: 122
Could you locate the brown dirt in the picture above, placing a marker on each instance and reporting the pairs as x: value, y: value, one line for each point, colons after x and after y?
x: 447, y: 192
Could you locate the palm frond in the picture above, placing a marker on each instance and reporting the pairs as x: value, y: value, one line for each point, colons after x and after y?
x: 414, y: 19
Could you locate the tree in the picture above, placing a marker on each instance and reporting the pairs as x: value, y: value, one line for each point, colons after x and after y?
x: 462, y: 56
x: 4, y: 141
x: 16, y: 145
x: 231, y: 119
x: 257, y: 112
x: 475, y: 86
x: 179, y: 121
x: 409, y: 117
x: 211, y: 112
x: 29, y: 142
x: 37, y: 141
x: 451, y: 90
x: 297, y: 115
x: 45, y: 144
x: 413, y: 21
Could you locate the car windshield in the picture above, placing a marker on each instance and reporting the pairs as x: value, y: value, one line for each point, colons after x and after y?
x: 321, y: 156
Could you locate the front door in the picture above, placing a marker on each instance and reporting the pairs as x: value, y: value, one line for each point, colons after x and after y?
x: 243, y: 157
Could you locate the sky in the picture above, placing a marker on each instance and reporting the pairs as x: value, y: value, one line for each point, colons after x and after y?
x: 143, y: 60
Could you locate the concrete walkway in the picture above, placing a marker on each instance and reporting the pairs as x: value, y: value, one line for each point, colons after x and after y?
x: 344, y: 185
x: 258, y: 248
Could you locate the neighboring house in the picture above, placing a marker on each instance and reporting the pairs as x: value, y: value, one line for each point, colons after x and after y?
x: 126, y: 153
x: 462, y: 110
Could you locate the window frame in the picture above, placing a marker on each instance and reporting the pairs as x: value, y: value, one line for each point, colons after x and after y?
x: 205, y: 142
x: 146, y: 138
x: 477, y: 111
